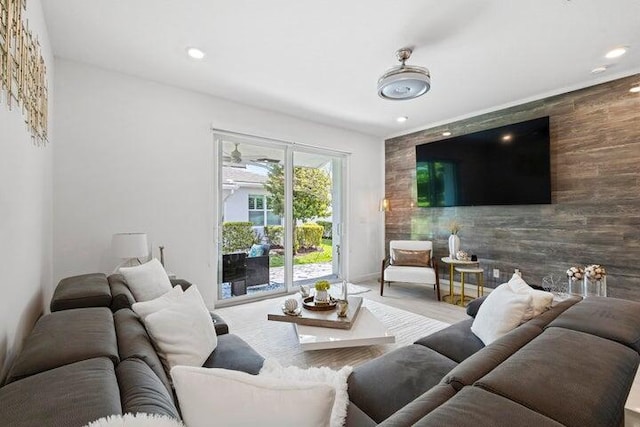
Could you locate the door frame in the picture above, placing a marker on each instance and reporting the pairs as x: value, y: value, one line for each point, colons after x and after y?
x: 289, y: 148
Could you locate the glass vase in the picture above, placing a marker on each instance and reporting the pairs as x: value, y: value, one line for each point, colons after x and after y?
x: 576, y: 287
x: 593, y: 287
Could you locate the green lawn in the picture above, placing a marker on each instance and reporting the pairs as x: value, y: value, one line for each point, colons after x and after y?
x: 310, y: 258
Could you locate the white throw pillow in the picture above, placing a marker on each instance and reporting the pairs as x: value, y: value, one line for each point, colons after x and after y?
x: 501, y: 312
x: 147, y: 281
x: 337, y: 379
x: 540, y: 302
x: 183, y: 332
x: 145, y: 308
x: 232, y: 398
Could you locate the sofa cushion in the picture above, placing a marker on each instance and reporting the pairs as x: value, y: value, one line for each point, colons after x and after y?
x: 481, y: 363
x: 133, y: 342
x: 145, y: 308
x: 355, y: 417
x: 121, y: 296
x: 182, y: 332
x: 554, y: 367
x: 473, y: 407
x: 457, y: 342
x: 501, y: 312
x: 86, y: 290
x: 142, y: 391
x: 147, y: 281
x: 235, y: 354
x: 547, y: 317
x: 65, y: 337
x: 71, y: 395
x: 610, y: 318
x: 421, y: 406
x: 383, y: 385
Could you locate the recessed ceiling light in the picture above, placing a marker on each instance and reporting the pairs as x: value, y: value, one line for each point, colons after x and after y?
x: 195, y: 53
x: 616, y: 53
x: 599, y: 70
x: 635, y: 89
x: 507, y: 137
x: 446, y: 133
x: 402, y: 119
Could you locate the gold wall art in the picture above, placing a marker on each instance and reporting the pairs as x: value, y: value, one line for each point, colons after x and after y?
x: 22, y: 70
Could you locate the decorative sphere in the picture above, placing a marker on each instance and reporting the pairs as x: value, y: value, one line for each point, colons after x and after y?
x: 462, y: 255
x: 291, y: 304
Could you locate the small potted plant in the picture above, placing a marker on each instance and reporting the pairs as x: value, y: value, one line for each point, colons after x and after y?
x: 322, y: 288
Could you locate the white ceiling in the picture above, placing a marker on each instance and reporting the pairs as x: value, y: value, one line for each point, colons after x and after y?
x: 320, y: 60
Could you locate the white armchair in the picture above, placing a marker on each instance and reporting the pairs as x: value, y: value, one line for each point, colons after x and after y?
x: 405, y: 265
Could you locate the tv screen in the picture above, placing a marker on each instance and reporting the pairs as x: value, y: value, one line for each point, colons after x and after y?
x: 508, y: 165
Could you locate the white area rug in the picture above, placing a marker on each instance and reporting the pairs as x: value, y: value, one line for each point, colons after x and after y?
x: 278, y: 340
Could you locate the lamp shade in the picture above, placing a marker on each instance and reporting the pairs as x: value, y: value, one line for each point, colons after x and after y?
x: 130, y: 245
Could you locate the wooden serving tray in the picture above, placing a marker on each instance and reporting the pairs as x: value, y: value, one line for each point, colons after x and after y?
x: 311, y: 304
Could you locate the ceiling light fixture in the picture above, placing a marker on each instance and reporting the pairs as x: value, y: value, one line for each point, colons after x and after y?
x: 616, y: 53
x: 195, y: 53
x: 507, y: 137
x: 402, y: 119
x: 600, y: 69
x: 446, y: 133
x: 404, y: 81
x: 635, y: 89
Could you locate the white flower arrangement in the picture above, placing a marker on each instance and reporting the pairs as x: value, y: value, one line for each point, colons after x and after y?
x: 595, y: 272
x: 575, y: 273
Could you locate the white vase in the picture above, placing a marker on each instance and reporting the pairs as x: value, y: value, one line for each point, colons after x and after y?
x: 454, y: 245
x: 322, y: 296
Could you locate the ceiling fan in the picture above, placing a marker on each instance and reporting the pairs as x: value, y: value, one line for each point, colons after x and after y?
x: 236, y: 159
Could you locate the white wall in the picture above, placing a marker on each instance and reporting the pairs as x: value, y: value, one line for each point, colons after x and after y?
x: 25, y: 215
x: 134, y: 155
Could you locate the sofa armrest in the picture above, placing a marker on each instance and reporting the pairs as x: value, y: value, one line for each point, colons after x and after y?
x: 184, y: 283
x: 219, y: 324
x: 474, y: 306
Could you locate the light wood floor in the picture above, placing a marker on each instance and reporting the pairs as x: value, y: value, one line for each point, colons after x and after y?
x: 415, y: 298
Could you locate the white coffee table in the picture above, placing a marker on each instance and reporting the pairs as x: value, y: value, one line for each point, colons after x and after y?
x: 366, y: 330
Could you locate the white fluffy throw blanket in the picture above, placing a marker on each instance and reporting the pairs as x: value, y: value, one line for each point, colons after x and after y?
x: 337, y: 379
x: 136, y: 420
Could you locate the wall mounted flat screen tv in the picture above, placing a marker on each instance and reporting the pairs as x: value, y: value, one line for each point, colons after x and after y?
x: 509, y: 165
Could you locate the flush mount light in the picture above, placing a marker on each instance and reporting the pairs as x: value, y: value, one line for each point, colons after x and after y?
x: 446, y: 133
x: 404, y: 81
x: 599, y: 70
x: 402, y: 119
x: 635, y: 89
x: 195, y: 53
x: 616, y: 53
x: 508, y: 137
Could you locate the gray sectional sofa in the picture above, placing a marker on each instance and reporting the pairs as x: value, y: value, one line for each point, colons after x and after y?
x: 573, y: 365
x: 91, y: 357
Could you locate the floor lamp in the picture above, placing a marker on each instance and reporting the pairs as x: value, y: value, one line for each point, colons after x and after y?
x: 129, y: 246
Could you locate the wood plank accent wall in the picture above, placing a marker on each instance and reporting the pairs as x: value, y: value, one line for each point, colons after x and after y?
x: 594, y: 216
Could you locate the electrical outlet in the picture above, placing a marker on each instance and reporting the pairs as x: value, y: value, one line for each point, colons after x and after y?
x: 496, y: 273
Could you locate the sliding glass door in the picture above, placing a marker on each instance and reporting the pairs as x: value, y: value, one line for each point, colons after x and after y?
x: 317, y: 207
x: 279, y: 216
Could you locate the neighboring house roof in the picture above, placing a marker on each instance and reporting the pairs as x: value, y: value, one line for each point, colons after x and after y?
x: 239, y: 176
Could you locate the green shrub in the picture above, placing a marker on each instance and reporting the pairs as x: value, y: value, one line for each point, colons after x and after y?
x: 237, y: 236
x: 274, y: 234
x: 327, y: 225
x: 309, y: 235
